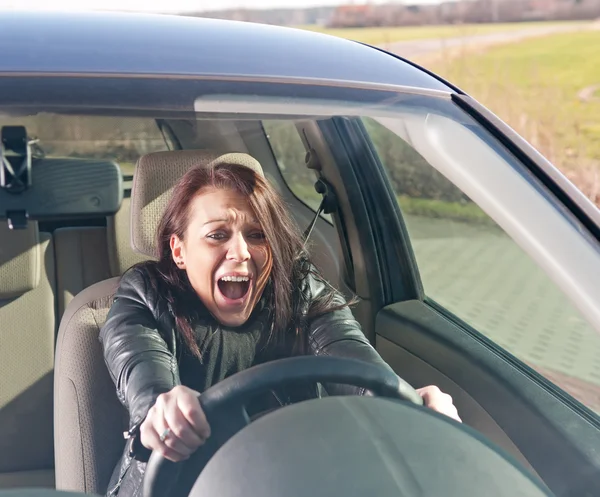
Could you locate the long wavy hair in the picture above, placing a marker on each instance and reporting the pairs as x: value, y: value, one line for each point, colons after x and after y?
x: 290, y: 312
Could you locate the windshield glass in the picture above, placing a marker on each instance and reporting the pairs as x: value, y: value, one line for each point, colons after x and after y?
x: 468, y: 271
x: 471, y: 209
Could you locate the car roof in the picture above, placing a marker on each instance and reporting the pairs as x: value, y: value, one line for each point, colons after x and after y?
x: 152, y: 44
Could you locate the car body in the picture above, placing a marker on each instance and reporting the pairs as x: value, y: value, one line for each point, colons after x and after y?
x: 476, y: 261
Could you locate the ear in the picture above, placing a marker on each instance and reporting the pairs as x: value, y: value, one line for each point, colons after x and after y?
x: 177, y: 251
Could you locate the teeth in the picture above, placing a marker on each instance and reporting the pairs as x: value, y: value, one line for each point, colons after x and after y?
x: 237, y: 279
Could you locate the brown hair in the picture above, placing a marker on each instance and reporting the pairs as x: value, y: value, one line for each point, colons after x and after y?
x: 290, y: 260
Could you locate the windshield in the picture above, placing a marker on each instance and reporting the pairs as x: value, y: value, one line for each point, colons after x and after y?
x: 433, y: 153
x: 456, y: 221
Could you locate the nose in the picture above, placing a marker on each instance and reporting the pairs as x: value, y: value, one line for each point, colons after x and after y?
x: 238, y: 249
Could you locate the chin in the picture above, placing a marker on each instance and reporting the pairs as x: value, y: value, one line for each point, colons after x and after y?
x: 233, y: 322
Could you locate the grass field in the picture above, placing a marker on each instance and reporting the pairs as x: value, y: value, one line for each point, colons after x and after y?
x: 432, y: 209
x: 533, y: 85
x: 384, y: 35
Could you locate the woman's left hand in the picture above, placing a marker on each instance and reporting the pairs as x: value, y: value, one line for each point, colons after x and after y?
x: 439, y: 401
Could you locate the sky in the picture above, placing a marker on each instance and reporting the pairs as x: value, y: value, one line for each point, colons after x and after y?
x: 167, y: 5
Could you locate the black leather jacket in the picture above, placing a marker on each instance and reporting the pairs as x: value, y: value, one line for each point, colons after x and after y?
x: 141, y: 344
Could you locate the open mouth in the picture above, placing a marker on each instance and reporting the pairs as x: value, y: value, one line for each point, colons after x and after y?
x: 234, y: 287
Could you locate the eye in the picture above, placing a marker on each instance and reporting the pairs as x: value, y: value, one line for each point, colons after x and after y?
x: 217, y: 235
x: 256, y: 235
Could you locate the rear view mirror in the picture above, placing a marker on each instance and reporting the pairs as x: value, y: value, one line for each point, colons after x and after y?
x: 54, y: 188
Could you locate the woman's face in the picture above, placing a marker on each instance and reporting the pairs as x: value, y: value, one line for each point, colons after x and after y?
x: 225, y: 254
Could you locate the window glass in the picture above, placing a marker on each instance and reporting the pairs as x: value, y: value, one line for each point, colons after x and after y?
x: 470, y: 266
x: 290, y: 154
x: 122, y: 139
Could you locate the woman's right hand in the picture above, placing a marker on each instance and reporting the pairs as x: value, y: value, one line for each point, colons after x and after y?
x: 176, y: 425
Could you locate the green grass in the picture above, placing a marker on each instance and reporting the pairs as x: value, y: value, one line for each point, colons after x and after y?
x: 533, y: 85
x: 384, y: 35
x: 467, y: 212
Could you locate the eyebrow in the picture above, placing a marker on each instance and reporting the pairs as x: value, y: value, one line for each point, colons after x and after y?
x: 225, y: 220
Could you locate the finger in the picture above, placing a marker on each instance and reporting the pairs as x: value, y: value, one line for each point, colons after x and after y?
x: 425, y: 396
x: 432, y: 395
x: 447, y: 408
x: 172, y: 455
x: 429, y: 389
x: 151, y: 440
x: 181, y: 431
x: 191, y: 409
x: 454, y: 415
x: 429, y: 392
x: 171, y: 440
x: 451, y: 412
x: 169, y: 453
x: 160, y: 424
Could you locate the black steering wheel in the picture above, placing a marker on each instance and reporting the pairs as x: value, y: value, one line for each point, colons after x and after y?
x: 224, y: 404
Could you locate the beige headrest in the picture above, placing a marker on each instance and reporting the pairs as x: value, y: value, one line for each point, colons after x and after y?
x: 118, y: 236
x: 153, y: 182
x: 20, y: 263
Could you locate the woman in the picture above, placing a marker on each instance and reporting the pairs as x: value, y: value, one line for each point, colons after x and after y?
x: 233, y: 287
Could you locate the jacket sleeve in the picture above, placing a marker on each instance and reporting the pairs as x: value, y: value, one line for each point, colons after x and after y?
x: 140, y: 362
x: 337, y: 333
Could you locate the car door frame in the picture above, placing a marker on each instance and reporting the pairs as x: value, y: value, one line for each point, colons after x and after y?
x: 561, y: 435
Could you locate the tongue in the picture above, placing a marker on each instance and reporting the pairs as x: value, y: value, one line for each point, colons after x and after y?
x: 232, y: 289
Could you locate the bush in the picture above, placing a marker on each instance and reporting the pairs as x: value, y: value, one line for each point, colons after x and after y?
x: 410, y: 174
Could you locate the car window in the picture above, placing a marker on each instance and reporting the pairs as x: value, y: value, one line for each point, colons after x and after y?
x: 472, y: 268
x: 122, y: 139
x: 290, y: 153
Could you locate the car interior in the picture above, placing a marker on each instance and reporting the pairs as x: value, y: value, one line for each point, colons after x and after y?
x: 42, y: 269
x: 62, y: 424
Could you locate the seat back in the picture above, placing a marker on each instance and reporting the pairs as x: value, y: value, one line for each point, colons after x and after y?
x: 121, y: 255
x: 27, y: 331
x: 87, y: 255
x: 89, y: 263
x: 89, y: 419
x: 81, y: 260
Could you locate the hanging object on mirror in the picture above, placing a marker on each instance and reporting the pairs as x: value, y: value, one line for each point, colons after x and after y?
x: 15, y: 150
x: 15, y: 169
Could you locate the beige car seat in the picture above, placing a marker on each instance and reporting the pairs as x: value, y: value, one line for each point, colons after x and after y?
x: 27, y: 331
x: 89, y: 420
x: 87, y: 255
